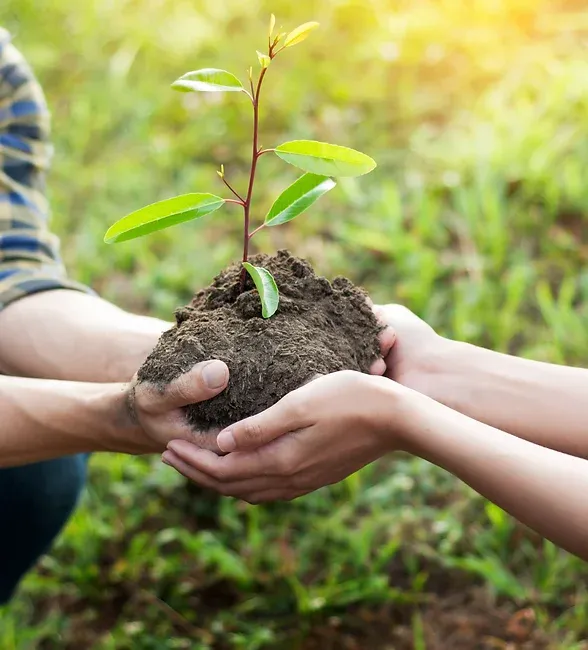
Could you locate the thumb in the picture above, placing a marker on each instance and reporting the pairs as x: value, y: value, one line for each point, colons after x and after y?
x: 256, y: 431
x: 204, y: 381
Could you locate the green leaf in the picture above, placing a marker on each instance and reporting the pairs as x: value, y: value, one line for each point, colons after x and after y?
x: 266, y: 287
x: 299, y: 34
x: 208, y: 80
x: 325, y: 159
x: 162, y: 214
x: 298, y: 197
x: 264, y: 59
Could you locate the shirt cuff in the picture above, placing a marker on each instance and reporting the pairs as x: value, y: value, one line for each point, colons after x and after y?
x: 16, y: 284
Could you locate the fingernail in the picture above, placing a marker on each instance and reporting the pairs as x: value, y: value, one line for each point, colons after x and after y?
x: 164, y: 459
x: 171, y: 446
x: 378, y: 367
x: 226, y: 441
x: 214, y: 374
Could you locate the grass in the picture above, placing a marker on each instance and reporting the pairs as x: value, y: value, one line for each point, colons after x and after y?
x: 477, y: 113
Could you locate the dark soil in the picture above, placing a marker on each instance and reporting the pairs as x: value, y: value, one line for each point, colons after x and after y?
x: 319, y: 328
x: 466, y: 620
x: 466, y: 617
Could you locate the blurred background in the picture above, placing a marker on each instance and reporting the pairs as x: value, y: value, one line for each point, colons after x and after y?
x: 476, y: 218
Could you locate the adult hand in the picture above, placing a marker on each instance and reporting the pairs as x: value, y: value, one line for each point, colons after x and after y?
x: 414, y: 357
x: 317, y: 435
x: 157, y: 414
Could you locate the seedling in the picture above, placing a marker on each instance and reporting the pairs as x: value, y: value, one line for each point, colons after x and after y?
x: 320, y: 162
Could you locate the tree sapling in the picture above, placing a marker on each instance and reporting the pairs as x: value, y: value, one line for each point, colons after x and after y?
x: 319, y: 160
x: 272, y: 341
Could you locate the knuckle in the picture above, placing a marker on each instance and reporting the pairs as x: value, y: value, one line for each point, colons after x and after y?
x: 252, y: 432
x: 180, y: 390
x: 294, y: 409
x: 391, y: 311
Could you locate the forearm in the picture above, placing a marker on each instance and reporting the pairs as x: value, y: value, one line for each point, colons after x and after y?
x: 542, y: 488
x: 43, y: 419
x: 73, y: 336
x: 56, y: 333
x: 543, y: 403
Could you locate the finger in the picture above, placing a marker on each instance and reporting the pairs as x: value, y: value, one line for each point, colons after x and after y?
x: 226, y: 469
x: 204, y: 381
x: 284, y: 417
x: 392, y: 313
x: 387, y: 339
x: 231, y: 488
x: 387, y: 336
x: 170, y: 458
x: 378, y: 367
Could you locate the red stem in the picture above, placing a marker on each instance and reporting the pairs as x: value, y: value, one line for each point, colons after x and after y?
x: 254, y: 158
x: 256, y: 230
x: 226, y: 182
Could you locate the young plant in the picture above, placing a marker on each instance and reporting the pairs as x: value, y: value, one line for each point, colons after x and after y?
x: 320, y: 162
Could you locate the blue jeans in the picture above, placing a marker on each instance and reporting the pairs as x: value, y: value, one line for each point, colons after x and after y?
x: 35, y: 503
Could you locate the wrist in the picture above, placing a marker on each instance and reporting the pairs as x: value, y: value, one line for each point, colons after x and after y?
x: 121, y: 433
x: 437, y: 370
x: 406, y: 418
x: 392, y: 410
x: 453, y: 371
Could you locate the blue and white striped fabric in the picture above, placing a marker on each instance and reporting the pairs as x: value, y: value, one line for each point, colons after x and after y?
x: 29, y: 253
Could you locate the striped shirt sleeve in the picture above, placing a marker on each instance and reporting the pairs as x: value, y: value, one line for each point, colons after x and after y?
x: 29, y: 252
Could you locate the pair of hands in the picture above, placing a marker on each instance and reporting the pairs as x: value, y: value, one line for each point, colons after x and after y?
x: 315, y: 436
x: 155, y: 416
x: 158, y: 415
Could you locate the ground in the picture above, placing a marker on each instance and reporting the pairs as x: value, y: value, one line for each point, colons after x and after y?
x: 477, y: 114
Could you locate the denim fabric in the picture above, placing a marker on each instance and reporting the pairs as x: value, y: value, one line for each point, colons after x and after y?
x: 35, y: 503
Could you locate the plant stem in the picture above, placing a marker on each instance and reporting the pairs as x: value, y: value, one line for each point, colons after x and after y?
x: 256, y: 230
x: 233, y: 190
x: 256, y: 152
